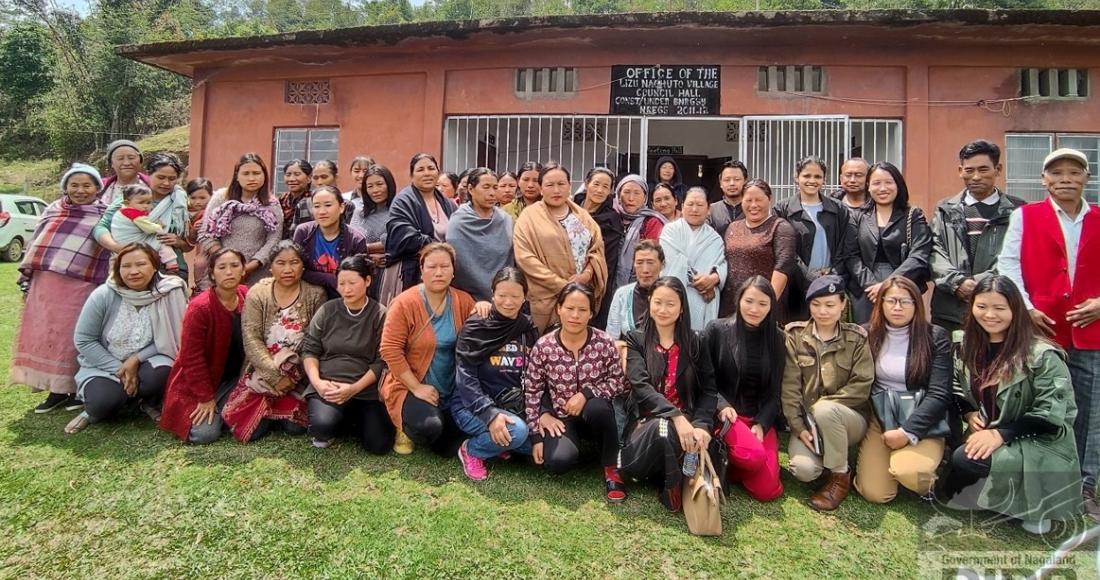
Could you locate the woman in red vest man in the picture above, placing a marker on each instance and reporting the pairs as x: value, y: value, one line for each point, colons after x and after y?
x: 1050, y: 249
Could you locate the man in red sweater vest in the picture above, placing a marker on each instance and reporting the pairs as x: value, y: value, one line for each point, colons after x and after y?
x: 1052, y: 252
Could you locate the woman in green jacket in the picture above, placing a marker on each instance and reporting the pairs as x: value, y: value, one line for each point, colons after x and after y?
x: 1013, y: 388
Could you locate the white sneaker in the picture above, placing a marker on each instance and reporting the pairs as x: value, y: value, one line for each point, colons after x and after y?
x: 1036, y: 527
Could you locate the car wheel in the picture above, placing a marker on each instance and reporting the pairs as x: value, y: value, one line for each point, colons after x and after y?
x: 14, y: 251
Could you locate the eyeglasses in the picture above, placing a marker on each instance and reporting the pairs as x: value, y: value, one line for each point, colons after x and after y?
x: 894, y: 302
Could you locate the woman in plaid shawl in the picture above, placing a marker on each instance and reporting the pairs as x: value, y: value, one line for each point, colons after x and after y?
x: 62, y: 266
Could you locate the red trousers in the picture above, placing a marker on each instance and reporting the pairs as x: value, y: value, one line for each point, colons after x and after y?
x: 753, y: 462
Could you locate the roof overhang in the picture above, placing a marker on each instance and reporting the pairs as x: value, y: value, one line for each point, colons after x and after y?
x: 989, y: 26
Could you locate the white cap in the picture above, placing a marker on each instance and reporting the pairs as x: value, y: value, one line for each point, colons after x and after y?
x: 1066, y: 153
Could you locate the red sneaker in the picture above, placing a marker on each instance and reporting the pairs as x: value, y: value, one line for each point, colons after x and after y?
x: 616, y: 489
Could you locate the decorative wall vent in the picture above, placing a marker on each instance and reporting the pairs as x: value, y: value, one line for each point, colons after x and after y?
x: 545, y: 82
x: 308, y: 92
x: 1054, y: 83
x: 790, y: 79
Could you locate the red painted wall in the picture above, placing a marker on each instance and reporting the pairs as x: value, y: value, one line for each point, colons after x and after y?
x: 391, y: 102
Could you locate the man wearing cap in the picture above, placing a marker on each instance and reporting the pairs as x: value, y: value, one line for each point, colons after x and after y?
x: 125, y: 160
x: 1052, y: 252
x: 826, y: 383
x: 968, y: 230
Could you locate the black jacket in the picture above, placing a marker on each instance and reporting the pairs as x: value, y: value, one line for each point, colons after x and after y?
x: 834, y: 218
x: 909, y: 260
x: 762, y: 404
x: 697, y: 391
x: 938, y: 399
x: 677, y: 181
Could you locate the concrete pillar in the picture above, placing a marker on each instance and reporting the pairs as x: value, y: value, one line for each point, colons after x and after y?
x: 918, y: 170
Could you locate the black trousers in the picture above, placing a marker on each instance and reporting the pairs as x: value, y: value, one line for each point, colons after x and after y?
x: 368, y: 419
x: 431, y: 426
x: 652, y: 451
x: 104, y: 398
x: 596, y: 421
x: 964, y: 472
x: 266, y: 426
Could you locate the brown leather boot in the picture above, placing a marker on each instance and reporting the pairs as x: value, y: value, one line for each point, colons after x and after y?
x: 834, y: 491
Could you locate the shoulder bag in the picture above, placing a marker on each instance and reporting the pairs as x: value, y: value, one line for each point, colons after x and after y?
x: 893, y: 408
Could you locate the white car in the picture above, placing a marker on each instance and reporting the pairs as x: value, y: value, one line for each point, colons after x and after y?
x: 19, y: 214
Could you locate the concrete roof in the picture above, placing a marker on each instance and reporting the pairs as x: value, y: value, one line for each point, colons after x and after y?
x: 184, y: 57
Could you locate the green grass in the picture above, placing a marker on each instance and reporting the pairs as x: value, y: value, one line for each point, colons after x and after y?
x: 35, y: 177
x: 123, y: 499
x: 39, y: 177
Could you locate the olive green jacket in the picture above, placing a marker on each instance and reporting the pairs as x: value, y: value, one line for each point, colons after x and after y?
x: 1036, y: 477
x: 841, y: 370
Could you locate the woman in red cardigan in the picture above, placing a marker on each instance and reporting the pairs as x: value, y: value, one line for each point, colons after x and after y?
x: 211, y: 354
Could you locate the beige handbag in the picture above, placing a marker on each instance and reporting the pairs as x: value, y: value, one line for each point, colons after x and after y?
x: 702, y: 499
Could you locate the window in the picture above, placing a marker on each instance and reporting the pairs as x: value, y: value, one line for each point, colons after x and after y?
x: 546, y: 82
x: 26, y: 207
x: 1024, y: 154
x: 1054, y: 83
x: 310, y: 144
x: 790, y: 79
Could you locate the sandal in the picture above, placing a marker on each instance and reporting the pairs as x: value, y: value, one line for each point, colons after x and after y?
x: 78, y: 424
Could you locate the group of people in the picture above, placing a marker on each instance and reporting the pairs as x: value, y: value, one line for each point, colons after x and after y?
x: 493, y: 315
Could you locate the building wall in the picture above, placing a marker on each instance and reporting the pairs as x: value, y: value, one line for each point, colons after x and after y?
x: 392, y: 105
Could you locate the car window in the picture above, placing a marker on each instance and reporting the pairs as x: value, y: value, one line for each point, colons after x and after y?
x: 39, y: 207
x: 26, y: 207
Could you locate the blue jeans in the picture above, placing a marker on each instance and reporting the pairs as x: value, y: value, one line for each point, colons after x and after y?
x: 1084, y: 370
x: 480, y: 444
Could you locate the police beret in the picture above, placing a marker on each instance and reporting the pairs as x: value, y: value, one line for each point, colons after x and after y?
x: 825, y: 286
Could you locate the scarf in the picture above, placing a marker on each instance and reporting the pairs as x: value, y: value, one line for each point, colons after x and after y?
x: 484, y: 246
x: 699, y: 250
x: 221, y: 222
x: 168, y: 308
x: 410, y: 229
x: 633, y: 224
x: 63, y: 243
x: 481, y: 337
x: 171, y: 212
x: 543, y: 253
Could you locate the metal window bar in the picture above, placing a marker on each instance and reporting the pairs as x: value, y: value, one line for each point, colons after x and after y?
x: 877, y: 140
x: 579, y: 142
x: 311, y: 144
x: 1024, y: 155
x: 771, y: 146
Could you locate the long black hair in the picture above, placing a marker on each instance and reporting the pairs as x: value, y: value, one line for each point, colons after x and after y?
x: 774, y: 349
x: 235, y: 190
x: 683, y: 336
x: 901, y: 202
x: 382, y: 171
x: 1018, y: 339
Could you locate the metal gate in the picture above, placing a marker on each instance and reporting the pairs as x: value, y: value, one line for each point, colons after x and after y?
x: 579, y: 142
x: 771, y: 146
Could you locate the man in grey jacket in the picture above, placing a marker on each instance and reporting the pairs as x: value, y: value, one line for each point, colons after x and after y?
x: 967, y: 232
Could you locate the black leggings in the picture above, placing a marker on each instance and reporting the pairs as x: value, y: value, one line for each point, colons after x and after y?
x: 104, y: 398
x: 597, y: 421
x: 964, y: 472
x: 431, y: 426
x: 369, y: 420
x: 652, y: 451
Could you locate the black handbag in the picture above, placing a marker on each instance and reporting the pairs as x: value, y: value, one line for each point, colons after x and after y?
x: 719, y: 454
x: 893, y: 408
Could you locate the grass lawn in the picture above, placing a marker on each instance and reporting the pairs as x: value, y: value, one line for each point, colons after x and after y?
x: 123, y: 499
